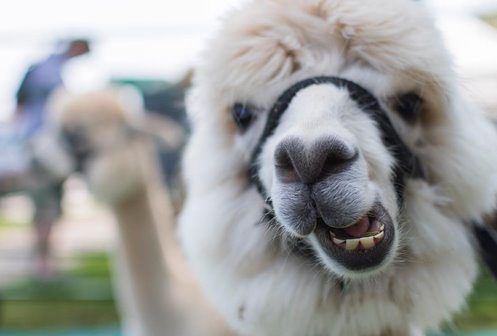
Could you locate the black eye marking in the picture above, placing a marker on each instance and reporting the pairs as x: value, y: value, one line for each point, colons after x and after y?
x: 409, y: 106
x: 243, y: 115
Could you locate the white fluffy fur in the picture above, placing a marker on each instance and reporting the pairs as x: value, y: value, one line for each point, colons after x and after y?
x: 390, y: 47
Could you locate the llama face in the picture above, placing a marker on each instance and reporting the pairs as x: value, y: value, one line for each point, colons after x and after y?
x: 326, y: 168
x: 94, y: 130
x: 89, y: 124
x: 329, y: 176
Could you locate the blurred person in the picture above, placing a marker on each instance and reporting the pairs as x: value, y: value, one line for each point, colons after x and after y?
x: 39, y: 82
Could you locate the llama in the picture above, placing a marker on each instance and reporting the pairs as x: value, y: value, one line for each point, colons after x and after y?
x: 333, y: 171
x: 105, y: 137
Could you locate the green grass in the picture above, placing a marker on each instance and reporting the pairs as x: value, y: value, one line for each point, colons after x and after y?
x: 46, y: 315
x: 480, y: 316
x: 482, y: 306
x: 94, y: 265
x: 9, y: 224
x: 81, y: 296
x: 88, y: 280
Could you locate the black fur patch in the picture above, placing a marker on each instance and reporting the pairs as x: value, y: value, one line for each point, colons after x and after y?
x: 487, y: 239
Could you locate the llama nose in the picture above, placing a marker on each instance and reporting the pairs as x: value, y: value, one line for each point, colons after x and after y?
x: 296, y: 161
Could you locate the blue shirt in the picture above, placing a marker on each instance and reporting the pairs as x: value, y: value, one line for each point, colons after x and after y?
x: 38, y: 84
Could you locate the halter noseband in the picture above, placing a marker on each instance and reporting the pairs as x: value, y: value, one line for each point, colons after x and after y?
x: 407, y: 164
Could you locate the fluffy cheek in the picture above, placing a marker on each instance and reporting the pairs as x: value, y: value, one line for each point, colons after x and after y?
x: 380, y: 173
x: 266, y: 164
x: 114, y: 176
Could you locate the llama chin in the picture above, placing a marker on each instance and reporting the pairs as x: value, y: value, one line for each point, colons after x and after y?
x: 300, y: 217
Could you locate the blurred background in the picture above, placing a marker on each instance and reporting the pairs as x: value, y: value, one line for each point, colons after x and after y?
x: 151, y: 46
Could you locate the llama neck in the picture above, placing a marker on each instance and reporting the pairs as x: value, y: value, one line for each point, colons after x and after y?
x: 159, y: 295
x: 143, y: 281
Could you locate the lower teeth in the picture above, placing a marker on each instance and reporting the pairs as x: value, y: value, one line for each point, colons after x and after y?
x: 367, y: 242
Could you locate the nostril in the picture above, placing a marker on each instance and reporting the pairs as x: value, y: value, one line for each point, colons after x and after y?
x: 336, y: 163
x: 285, y: 169
x: 331, y: 155
x: 297, y: 162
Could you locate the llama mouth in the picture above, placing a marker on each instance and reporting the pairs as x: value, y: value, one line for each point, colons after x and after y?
x: 363, y: 245
x: 365, y: 234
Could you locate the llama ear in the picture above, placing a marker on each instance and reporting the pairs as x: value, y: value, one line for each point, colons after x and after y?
x: 164, y: 130
x: 131, y: 99
x: 146, y: 123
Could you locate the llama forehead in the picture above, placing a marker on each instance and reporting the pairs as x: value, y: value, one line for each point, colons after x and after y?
x: 266, y: 46
x: 325, y: 109
x: 262, y: 44
x: 319, y: 100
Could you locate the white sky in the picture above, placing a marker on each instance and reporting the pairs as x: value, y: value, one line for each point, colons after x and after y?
x: 139, y: 38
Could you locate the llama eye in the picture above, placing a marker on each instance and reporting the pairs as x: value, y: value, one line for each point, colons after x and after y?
x: 408, y: 106
x: 243, y: 115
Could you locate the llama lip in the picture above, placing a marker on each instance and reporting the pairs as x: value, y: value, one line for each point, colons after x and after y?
x: 359, y: 247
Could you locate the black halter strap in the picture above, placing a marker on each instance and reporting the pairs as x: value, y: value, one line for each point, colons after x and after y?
x: 407, y: 164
